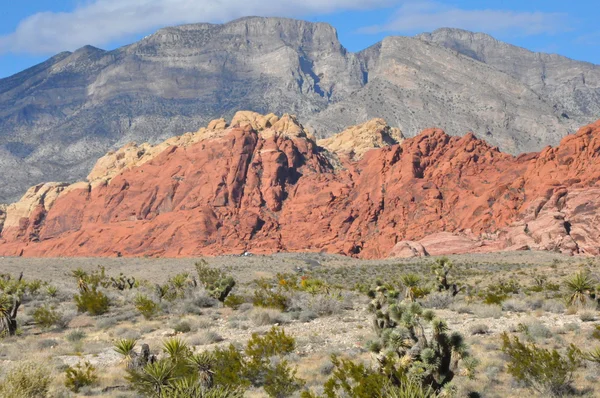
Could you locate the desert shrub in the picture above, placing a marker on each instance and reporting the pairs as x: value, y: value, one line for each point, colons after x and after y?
x: 146, y: 306
x: 479, y: 328
x: 75, y: 336
x: 412, y: 287
x: 595, y: 333
x: 514, y: 305
x: 234, y: 301
x: 182, y: 327
x: 80, y: 375
x: 321, y: 303
x: 354, y: 380
x: 46, y: 343
x: 270, y: 296
x: 487, y: 311
x: 554, y: 306
x: 547, y: 372
x: 265, y: 317
x: 93, y: 301
x: 26, y: 380
x: 438, y: 300
x: 537, y: 330
x: 229, y: 367
x: 207, y: 337
x: 216, y: 283
x: 47, y: 316
x: 587, y: 316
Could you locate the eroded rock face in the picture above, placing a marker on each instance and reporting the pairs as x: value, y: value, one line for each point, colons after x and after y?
x: 355, y: 141
x: 264, y: 185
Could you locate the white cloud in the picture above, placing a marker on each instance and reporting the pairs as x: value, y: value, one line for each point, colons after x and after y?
x: 99, y: 22
x: 430, y: 15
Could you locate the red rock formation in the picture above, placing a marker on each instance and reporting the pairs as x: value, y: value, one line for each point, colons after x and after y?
x: 274, y: 190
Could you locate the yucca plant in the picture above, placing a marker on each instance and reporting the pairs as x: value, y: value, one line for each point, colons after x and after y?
x: 9, y: 305
x: 410, y: 282
x: 202, y: 365
x: 593, y: 356
x: 579, y: 287
x: 177, y: 350
x: 153, y: 379
x: 179, y: 283
x: 51, y: 291
x: 126, y: 348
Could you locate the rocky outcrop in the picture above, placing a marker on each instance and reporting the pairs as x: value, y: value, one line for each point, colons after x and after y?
x: 355, y: 141
x: 264, y: 185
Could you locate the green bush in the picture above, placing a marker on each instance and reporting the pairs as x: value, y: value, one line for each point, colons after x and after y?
x: 269, y: 296
x: 217, y: 284
x: 47, y: 316
x: 547, y: 372
x: 354, y: 380
x: 80, y: 375
x: 26, y: 380
x: 234, y: 301
x: 183, y: 327
x: 92, y: 301
x: 148, y: 308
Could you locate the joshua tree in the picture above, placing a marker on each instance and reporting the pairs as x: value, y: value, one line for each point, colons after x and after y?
x: 441, y: 268
x: 403, y: 348
x: 411, y: 283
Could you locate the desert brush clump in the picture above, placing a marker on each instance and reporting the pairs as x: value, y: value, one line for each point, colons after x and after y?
x: 146, y: 306
x: 81, y: 375
x: 545, y: 371
x: 90, y: 298
x: 47, y: 316
x: 225, y: 371
x: 216, y: 282
x: 26, y: 379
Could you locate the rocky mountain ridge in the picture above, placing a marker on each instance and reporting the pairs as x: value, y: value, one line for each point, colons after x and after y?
x: 59, y: 116
x: 264, y: 184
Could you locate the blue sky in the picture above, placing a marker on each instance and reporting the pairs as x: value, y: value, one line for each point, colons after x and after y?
x: 33, y: 30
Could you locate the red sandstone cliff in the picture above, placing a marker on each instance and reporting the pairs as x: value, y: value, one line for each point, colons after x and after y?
x: 264, y: 185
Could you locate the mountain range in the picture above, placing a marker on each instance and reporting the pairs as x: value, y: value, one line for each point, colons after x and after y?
x: 58, y: 117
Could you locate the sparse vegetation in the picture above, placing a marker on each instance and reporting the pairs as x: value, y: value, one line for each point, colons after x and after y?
x: 416, y: 324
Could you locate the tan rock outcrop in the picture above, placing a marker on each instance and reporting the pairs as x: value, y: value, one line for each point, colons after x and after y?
x: 355, y: 141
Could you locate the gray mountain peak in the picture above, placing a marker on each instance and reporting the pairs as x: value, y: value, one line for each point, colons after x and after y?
x: 58, y: 117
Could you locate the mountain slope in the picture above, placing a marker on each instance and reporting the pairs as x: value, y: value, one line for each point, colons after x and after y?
x: 415, y: 85
x: 57, y: 117
x: 571, y: 85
